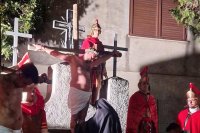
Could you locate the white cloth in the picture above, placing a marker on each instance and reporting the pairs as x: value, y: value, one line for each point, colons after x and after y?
x: 193, y: 110
x: 8, y: 130
x: 78, y: 99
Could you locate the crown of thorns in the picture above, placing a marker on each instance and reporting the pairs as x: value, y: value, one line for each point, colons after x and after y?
x: 91, y: 50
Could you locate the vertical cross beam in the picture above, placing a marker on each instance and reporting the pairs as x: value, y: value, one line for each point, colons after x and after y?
x: 115, y: 58
x: 75, y: 27
x: 16, y: 34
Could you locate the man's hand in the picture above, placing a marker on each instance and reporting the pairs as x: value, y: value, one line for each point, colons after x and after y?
x: 44, y: 79
x: 116, y: 54
x: 38, y: 47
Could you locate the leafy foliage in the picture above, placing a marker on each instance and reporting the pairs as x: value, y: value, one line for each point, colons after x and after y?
x: 31, y: 16
x: 187, y: 12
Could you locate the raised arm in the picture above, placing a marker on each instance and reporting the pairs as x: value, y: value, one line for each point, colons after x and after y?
x: 57, y: 54
x: 105, y: 57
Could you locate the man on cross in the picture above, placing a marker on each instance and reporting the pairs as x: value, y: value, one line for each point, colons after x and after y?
x: 98, y: 72
x: 80, y: 86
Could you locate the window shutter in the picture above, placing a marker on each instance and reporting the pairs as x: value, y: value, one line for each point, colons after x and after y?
x: 169, y: 27
x: 144, y: 21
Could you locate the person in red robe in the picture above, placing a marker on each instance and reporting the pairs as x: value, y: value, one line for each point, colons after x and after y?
x: 184, y: 116
x: 34, y: 120
x: 34, y: 115
x: 142, y: 114
x: 92, y: 41
x: 195, y: 122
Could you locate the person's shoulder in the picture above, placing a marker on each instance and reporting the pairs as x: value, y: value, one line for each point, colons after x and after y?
x: 196, y: 114
x: 76, y: 59
x: 88, y: 38
x: 136, y: 94
x: 7, y: 78
x: 152, y: 96
x: 195, y: 117
x: 152, y: 99
x: 183, y: 111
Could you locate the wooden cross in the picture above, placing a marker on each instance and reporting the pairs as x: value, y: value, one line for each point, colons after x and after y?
x: 115, y: 48
x: 83, y: 51
x: 16, y: 34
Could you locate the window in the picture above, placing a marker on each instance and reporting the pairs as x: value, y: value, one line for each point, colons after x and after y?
x: 151, y: 18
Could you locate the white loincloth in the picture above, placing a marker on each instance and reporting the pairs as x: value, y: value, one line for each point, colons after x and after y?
x: 8, y: 130
x: 78, y: 99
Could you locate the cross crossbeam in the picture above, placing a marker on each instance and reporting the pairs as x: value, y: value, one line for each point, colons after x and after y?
x: 16, y: 34
x: 115, y: 48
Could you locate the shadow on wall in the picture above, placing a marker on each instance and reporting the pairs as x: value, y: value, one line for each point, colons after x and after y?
x: 169, y: 82
x: 56, y: 11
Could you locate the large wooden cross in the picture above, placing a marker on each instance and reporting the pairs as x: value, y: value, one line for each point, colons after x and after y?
x: 115, y: 58
x: 16, y: 34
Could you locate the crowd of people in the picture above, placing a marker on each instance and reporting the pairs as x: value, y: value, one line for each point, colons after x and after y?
x: 85, y: 73
x: 22, y: 105
x: 24, y: 111
x: 142, y: 114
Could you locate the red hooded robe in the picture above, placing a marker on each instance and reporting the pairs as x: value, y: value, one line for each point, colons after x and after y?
x: 183, y: 114
x: 34, y: 116
x: 137, y: 109
x: 195, y: 122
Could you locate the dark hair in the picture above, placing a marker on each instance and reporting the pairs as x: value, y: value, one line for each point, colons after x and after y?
x: 173, y: 126
x: 30, y: 71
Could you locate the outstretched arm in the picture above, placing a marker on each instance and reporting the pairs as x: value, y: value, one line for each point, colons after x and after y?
x: 65, y: 57
x: 105, y: 57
